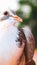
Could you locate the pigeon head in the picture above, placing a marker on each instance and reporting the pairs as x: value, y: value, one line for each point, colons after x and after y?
x: 11, y: 15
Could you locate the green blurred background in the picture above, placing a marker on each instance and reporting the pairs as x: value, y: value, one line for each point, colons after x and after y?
x: 28, y: 12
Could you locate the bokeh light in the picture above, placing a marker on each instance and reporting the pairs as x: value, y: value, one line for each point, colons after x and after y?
x: 26, y: 10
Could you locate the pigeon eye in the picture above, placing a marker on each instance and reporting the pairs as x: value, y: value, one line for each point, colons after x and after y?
x: 6, y: 13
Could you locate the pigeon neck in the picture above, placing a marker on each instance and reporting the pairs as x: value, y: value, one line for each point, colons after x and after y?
x: 16, y: 24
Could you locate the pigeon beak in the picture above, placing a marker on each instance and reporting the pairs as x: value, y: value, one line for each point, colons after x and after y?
x: 17, y: 18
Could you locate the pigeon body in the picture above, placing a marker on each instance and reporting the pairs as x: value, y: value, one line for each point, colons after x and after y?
x: 13, y: 38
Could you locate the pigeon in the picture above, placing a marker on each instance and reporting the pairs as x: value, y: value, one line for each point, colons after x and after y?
x: 11, y: 33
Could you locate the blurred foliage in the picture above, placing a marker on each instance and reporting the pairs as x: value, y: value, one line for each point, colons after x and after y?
x: 32, y: 19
